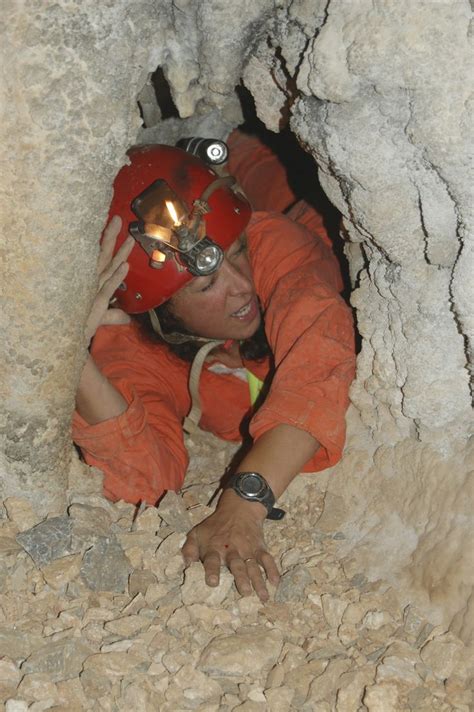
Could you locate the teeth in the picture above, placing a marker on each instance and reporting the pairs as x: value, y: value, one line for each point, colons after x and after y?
x: 243, y: 311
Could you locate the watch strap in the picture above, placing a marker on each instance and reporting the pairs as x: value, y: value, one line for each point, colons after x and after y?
x: 267, y: 498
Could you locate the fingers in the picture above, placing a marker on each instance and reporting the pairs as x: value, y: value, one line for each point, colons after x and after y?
x: 110, y: 285
x: 248, y: 577
x: 256, y: 578
x: 238, y: 569
x: 212, y: 568
x: 111, y: 267
x: 115, y: 316
x: 224, y: 539
x: 248, y: 573
x: 108, y: 242
x: 190, y: 548
x: 271, y: 569
x: 99, y: 313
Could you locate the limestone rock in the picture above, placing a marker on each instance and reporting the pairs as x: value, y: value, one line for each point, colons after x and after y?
x: 139, y: 582
x: 9, y: 677
x: 8, y: 545
x: 292, y: 584
x: 173, y: 510
x: 381, y: 698
x: 128, y: 626
x: 93, y: 502
x: 137, y: 603
x: 21, y: 512
x: 18, y: 644
x: 195, y: 589
x: 351, y: 688
x: 197, y: 688
x: 300, y: 678
x: 96, y: 683
x: 279, y: 698
x: 37, y: 686
x: 60, y: 661
x: 325, y: 686
x: 169, y: 547
x: 49, y: 540
x: 61, y: 571
x: 113, y: 664
x: 14, y: 705
x: 89, y: 522
x: 376, y: 619
x: 250, y: 650
x: 105, y: 566
x: 442, y: 655
x: 71, y: 694
x: 394, y: 669
x: 9, y: 672
x: 148, y: 520
x: 333, y: 609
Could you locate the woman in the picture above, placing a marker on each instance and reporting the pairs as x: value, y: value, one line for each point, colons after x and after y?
x: 261, y: 295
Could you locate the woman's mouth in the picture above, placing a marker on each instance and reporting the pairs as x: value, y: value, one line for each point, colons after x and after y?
x: 248, y: 312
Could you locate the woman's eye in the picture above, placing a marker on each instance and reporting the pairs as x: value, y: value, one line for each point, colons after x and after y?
x: 238, y: 251
x: 207, y: 286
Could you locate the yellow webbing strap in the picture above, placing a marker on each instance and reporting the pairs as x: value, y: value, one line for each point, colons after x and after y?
x: 192, y: 419
x: 255, y: 386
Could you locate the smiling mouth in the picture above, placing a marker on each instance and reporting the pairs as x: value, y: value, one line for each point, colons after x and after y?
x: 245, y: 310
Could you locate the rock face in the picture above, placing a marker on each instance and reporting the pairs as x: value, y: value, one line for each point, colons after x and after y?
x: 392, y: 158
x: 177, y: 644
x: 378, y: 94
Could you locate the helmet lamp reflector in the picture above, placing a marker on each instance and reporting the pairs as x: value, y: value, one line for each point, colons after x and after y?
x: 208, y: 259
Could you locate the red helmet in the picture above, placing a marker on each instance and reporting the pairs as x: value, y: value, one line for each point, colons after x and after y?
x: 211, y: 214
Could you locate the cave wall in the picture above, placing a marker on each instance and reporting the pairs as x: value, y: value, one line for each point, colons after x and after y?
x: 71, y: 75
x: 378, y: 95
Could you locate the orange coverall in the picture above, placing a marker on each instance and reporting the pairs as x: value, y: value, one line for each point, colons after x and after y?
x: 308, y: 326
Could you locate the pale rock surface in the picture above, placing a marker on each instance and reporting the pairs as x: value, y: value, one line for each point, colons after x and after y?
x: 181, y: 645
x: 382, y: 104
x: 442, y: 655
x: 61, y: 571
x: 13, y: 705
x: 61, y: 660
x: 251, y: 649
x: 21, y: 513
x: 195, y: 590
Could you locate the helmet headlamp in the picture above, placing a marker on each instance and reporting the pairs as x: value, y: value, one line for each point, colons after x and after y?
x: 166, y: 229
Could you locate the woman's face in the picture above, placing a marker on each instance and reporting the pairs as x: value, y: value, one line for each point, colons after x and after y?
x: 223, y: 305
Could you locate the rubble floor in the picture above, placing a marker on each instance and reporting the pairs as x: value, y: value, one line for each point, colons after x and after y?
x: 97, y: 613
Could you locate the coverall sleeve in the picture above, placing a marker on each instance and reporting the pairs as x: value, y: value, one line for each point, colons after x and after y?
x: 309, y: 328
x: 141, y: 452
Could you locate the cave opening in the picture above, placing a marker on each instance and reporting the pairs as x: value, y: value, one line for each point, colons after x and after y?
x: 301, y: 168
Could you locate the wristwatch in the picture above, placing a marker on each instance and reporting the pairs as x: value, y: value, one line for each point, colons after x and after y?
x: 254, y: 488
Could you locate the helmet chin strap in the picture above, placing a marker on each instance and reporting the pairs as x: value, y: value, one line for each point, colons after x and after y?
x: 191, y: 421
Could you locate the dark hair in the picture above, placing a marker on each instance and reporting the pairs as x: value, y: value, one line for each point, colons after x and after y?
x: 254, y: 349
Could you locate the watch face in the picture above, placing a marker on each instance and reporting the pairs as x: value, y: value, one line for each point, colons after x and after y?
x: 252, y: 485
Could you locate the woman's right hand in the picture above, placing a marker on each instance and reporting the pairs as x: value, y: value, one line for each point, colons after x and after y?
x: 112, y: 270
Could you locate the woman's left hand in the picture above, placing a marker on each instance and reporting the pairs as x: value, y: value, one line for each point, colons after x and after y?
x: 233, y: 536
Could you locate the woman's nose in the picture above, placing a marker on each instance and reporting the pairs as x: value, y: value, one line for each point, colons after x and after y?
x: 237, y: 281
